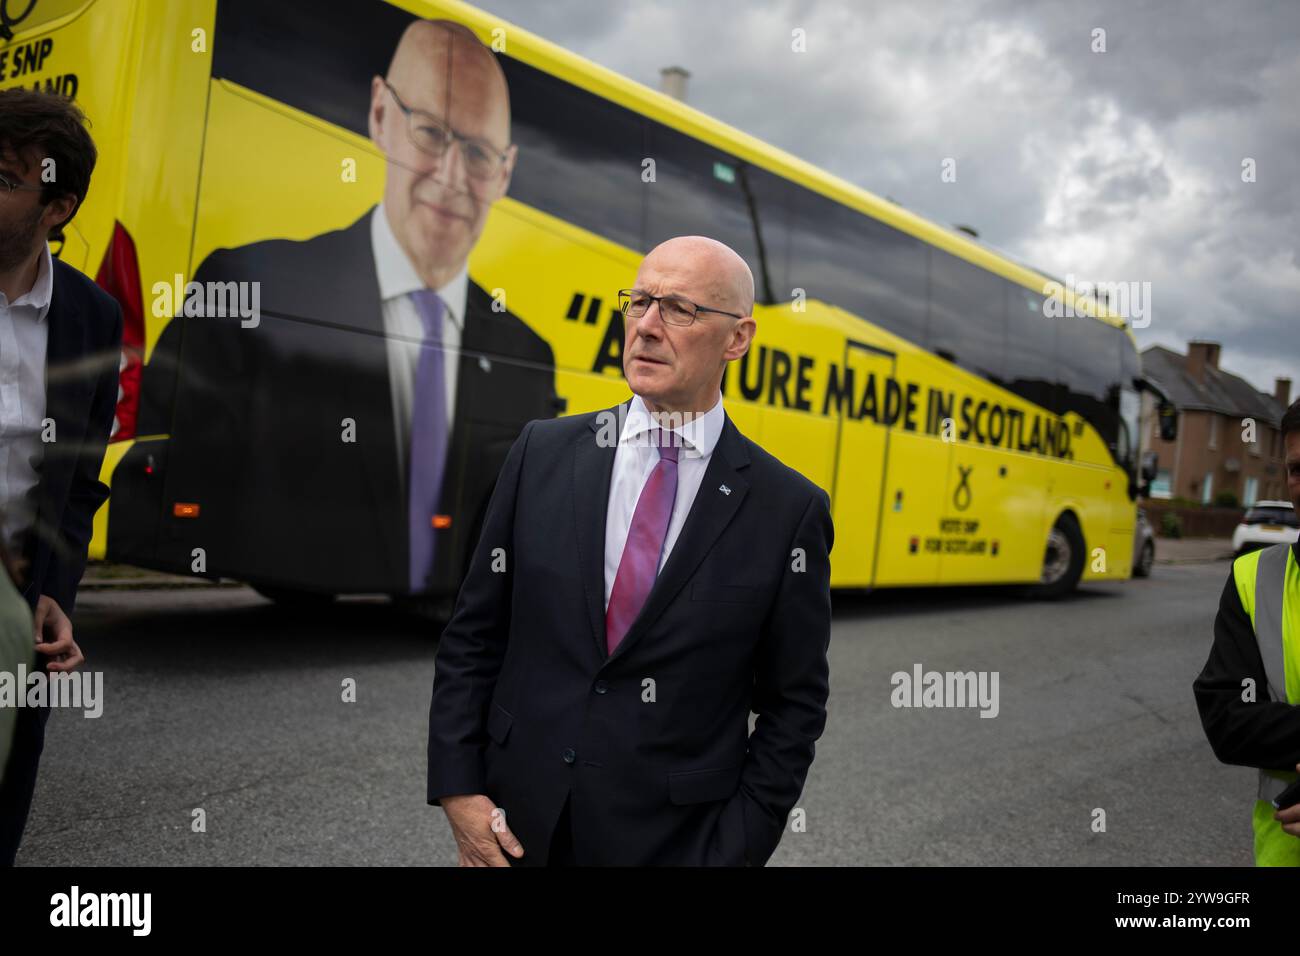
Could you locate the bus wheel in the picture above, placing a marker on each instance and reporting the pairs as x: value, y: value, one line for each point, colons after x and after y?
x: 291, y: 597
x: 1062, y: 561
x: 1147, y: 558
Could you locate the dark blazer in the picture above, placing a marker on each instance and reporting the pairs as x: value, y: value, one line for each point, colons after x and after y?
x: 83, y: 350
x: 528, y: 708
x: 256, y: 419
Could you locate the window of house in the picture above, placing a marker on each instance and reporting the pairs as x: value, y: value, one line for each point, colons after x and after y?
x: 1160, y: 485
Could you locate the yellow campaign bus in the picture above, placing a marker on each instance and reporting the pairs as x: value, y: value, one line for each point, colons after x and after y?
x: 271, y: 201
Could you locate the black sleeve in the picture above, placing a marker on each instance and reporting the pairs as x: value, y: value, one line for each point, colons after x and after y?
x: 1260, y: 733
x: 86, y: 492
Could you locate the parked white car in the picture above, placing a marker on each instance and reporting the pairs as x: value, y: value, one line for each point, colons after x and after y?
x: 1267, y: 522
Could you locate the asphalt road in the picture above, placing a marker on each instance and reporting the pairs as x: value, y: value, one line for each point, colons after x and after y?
x: 216, y: 699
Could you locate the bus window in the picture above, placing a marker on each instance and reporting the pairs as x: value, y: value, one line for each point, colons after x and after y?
x: 967, y: 315
x: 865, y: 267
x: 580, y: 156
x: 698, y: 191
x: 1130, y: 406
x: 1031, y: 363
x: 766, y: 194
x: 1087, y: 355
x: 300, y: 55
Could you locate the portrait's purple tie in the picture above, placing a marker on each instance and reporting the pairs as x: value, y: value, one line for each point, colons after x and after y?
x: 428, y: 446
x: 639, y: 564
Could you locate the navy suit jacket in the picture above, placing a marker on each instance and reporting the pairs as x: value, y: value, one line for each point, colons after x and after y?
x: 83, y: 350
x: 651, y: 743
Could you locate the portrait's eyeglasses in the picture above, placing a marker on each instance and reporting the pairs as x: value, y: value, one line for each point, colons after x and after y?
x: 673, y: 309
x: 8, y: 186
x: 431, y: 135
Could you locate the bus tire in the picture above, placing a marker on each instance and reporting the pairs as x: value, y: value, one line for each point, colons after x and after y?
x: 1062, y: 559
x: 1145, y: 560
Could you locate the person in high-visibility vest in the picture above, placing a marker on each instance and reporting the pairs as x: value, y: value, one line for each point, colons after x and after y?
x: 1248, y: 693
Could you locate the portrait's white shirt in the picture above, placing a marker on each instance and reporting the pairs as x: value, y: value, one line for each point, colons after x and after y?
x: 635, y: 459
x: 404, y: 331
x: 24, y: 338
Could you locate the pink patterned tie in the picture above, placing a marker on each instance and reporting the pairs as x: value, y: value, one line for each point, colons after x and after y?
x: 645, y: 541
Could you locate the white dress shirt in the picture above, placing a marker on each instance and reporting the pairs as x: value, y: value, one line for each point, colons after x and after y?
x: 24, y: 335
x: 635, y: 458
x: 404, y: 331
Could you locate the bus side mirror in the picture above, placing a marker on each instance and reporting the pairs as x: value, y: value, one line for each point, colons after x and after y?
x: 1168, y: 415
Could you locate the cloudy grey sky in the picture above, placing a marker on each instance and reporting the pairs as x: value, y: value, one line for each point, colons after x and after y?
x: 1123, y: 165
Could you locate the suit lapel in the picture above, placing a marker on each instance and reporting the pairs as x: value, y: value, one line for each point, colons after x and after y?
x: 68, y: 391
x: 356, y: 298
x: 474, y: 384
x: 711, y: 512
x: 68, y: 384
x: 593, y: 467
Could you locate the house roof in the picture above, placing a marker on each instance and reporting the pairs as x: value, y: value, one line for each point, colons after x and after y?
x: 1221, y: 391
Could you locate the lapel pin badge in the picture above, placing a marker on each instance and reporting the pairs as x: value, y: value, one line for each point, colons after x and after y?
x: 724, y: 489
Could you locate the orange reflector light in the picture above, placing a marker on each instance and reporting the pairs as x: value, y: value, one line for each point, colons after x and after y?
x: 442, y: 521
x: 185, y: 509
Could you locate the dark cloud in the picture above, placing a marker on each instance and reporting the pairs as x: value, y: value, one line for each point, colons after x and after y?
x: 1122, y: 165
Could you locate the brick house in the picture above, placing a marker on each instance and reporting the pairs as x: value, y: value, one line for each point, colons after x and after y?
x: 1216, y: 409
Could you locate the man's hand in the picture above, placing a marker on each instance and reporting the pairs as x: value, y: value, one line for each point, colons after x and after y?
x: 480, y: 830
x: 54, y: 636
x: 1290, y: 817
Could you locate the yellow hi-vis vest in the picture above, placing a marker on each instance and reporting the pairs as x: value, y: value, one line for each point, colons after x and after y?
x: 1268, y: 583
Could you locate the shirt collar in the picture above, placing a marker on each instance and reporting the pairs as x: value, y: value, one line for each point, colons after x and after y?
x: 397, y: 277
x: 700, y: 433
x: 42, y: 290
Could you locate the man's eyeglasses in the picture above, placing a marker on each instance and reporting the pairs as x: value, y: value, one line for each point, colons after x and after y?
x: 673, y: 309
x: 8, y: 186
x: 431, y: 135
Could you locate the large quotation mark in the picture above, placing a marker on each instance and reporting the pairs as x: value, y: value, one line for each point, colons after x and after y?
x: 593, y: 309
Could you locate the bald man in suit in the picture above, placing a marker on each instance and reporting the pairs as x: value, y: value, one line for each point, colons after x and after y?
x: 646, y: 578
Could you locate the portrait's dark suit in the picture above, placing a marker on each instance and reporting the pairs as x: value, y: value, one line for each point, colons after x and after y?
x: 83, y: 348
x: 651, y: 743
x: 259, y: 418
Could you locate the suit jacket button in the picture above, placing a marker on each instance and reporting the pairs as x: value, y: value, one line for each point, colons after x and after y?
x: 601, y: 687
x: 570, y: 756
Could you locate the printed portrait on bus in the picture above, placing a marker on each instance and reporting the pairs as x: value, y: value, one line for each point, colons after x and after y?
x: 338, y: 407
